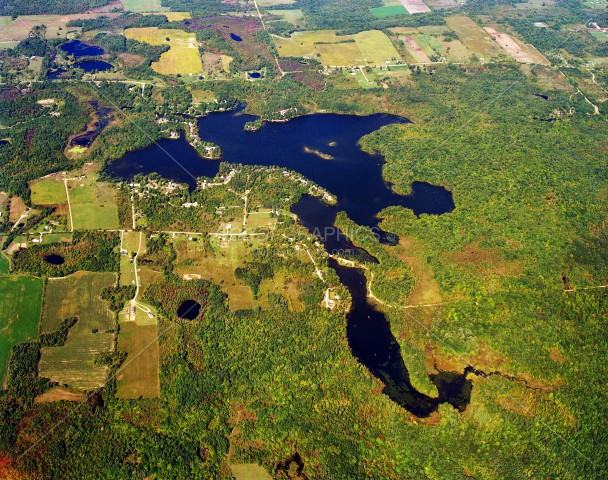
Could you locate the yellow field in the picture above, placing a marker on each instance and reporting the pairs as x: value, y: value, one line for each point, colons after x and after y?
x: 138, y: 376
x: 173, y: 16
x: 77, y: 296
x: 475, y: 38
x: 139, y: 6
x: 371, y: 47
x: 183, y: 57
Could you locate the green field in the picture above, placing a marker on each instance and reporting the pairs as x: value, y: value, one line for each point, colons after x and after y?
x: 371, y: 47
x: 138, y: 376
x: 139, y: 6
x: 48, y: 191
x: 93, y: 204
x: 183, y: 56
x: 389, y: 11
x: 77, y: 295
x: 20, y: 303
x: 294, y: 16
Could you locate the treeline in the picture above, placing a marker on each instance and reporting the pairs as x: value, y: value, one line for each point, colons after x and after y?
x: 58, y: 337
x: 58, y: 7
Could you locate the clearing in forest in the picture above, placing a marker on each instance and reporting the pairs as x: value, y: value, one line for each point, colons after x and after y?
x: 20, y: 303
x: 48, y: 191
x: 183, y: 57
x: 138, y: 376
x: 78, y: 295
x: 389, y: 11
x: 139, y: 6
x: 371, y: 47
x: 273, y: 3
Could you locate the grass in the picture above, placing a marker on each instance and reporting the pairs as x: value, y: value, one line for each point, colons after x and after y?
x: 48, y: 191
x: 20, y: 304
x: 93, y: 204
x: 130, y: 244
x: 139, y: 375
x: 274, y: 3
x: 140, y: 6
x: 475, y: 38
x: 56, y: 26
x: 371, y: 47
x: 77, y: 295
x: 389, y: 11
x: 249, y: 471
x: 183, y: 56
x: 294, y: 16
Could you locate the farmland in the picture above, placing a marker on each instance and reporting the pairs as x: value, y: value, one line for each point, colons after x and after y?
x: 475, y: 38
x: 366, y: 48
x: 144, y: 6
x: 20, y: 303
x: 389, y: 11
x: 48, y: 191
x: 183, y: 57
x: 77, y: 296
x: 12, y: 31
x: 93, y: 204
x: 138, y: 376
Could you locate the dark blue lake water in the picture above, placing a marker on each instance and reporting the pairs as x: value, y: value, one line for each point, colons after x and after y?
x: 80, y: 49
x: 354, y: 176
x: 94, y: 65
x: 235, y: 37
x: 255, y: 75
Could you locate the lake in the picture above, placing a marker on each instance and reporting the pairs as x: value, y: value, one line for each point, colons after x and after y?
x: 80, y: 49
x: 323, y: 148
x: 354, y: 176
x: 94, y: 65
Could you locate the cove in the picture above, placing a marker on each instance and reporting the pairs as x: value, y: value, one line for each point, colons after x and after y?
x: 354, y: 176
x: 368, y: 330
x: 80, y: 49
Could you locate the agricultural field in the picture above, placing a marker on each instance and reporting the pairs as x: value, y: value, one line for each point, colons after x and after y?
x: 20, y: 304
x: 93, y: 204
x: 475, y: 38
x: 139, y: 6
x: 294, y: 16
x: 411, y: 6
x: 216, y: 264
x: 15, y: 30
x: 138, y: 376
x: 48, y: 191
x: 274, y: 3
x: 130, y: 244
x: 77, y: 296
x: 183, y: 57
x: 249, y: 471
x: 389, y: 11
x: 371, y: 47
x: 519, y: 51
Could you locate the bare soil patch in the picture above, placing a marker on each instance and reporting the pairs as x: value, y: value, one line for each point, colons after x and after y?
x: 57, y: 394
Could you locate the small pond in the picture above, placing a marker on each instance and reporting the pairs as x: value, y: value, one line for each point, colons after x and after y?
x: 255, y: 75
x: 235, y: 37
x: 54, y: 259
x: 80, y: 49
x: 94, y: 65
x: 189, y: 310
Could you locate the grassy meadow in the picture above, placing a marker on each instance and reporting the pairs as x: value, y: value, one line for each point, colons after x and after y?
x: 77, y: 296
x: 371, y: 47
x: 183, y: 56
x: 20, y: 303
